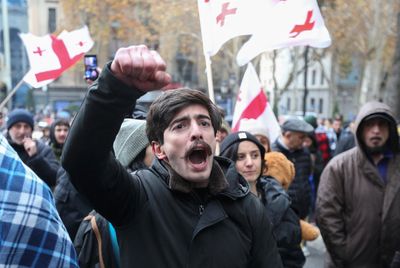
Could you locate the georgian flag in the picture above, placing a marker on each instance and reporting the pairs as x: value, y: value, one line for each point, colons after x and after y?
x: 222, y: 20
x: 49, y: 56
x: 286, y: 23
x: 252, y: 104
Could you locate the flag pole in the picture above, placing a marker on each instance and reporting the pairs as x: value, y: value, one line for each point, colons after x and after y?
x: 209, y: 78
x: 12, y: 92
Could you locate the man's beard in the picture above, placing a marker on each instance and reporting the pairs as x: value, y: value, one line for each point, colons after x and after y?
x: 375, y: 150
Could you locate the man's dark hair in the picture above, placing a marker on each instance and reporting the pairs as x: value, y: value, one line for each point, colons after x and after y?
x: 61, y: 122
x: 171, y: 102
x: 58, y: 122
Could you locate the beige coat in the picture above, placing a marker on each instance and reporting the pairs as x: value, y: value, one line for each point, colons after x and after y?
x: 359, y: 216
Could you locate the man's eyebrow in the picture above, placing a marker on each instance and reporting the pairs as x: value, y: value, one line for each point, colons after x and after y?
x: 179, y: 119
x: 202, y: 116
x: 186, y: 117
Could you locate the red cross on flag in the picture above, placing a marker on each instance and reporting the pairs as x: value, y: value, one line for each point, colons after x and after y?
x: 252, y: 106
x: 221, y: 20
x: 286, y: 23
x: 49, y: 56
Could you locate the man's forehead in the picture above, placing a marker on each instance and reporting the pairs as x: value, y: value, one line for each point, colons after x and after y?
x: 376, y: 120
x: 20, y: 124
x: 192, y: 111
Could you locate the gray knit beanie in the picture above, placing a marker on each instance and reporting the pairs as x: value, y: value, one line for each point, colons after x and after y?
x: 130, y: 141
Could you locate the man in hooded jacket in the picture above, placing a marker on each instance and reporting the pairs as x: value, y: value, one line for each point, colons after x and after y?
x: 359, y: 195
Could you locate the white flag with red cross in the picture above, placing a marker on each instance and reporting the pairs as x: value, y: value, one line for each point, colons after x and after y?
x: 286, y: 23
x: 49, y: 56
x: 252, y: 103
x: 222, y: 20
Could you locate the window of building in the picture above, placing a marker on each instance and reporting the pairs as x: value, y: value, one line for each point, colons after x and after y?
x: 313, y: 77
x: 312, y: 104
x: 322, y: 78
x: 52, y: 25
x: 288, y: 104
x: 321, y: 106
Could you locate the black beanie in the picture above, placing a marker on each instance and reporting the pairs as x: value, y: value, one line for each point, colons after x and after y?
x: 238, y: 137
x: 19, y: 115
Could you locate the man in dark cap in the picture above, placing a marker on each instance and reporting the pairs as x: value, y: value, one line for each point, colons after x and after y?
x: 359, y: 194
x: 294, y: 132
x: 35, y: 154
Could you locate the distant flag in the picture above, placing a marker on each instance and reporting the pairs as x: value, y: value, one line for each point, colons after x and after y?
x: 221, y: 20
x: 49, y: 56
x: 286, y: 23
x: 252, y: 104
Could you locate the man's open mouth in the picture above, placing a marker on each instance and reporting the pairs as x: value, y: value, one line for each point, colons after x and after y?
x: 197, y: 156
x: 198, y: 152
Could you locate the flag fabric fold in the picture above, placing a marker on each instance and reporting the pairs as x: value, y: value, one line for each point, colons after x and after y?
x: 286, y: 24
x: 222, y: 20
x: 49, y: 56
x: 252, y: 104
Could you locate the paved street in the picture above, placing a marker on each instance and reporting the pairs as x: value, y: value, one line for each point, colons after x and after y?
x: 317, y: 252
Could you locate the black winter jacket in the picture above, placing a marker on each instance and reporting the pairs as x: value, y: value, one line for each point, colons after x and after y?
x: 285, y: 222
x: 156, y: 225
x: 71, y: 205
x: 43, y: 163
x: 300, y: 189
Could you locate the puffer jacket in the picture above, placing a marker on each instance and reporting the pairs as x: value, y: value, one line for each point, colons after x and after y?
x: 158, y: 226
x: 285, y: 222
x: 300, y: 189
x: 357, y: 213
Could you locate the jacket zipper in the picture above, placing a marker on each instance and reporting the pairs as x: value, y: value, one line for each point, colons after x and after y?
x: 201, y: 209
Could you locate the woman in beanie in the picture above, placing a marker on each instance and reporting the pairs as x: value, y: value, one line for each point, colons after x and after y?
x: 248, y: 154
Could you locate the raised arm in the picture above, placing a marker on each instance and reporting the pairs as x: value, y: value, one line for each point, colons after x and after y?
x: 87, y: 153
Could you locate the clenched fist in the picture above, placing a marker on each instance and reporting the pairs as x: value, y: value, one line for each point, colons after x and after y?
x: 140, y: 67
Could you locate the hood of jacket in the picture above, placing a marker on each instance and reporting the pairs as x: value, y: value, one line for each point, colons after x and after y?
x: 235, y: 185
x: 377, y: 108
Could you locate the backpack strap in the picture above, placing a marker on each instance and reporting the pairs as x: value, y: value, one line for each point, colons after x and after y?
x: 96, y: 231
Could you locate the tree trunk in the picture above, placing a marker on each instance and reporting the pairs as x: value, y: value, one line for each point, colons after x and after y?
x: 392, y: 96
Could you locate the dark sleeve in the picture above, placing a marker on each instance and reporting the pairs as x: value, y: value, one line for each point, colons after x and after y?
x: 87, y: 154
x: 345, y: 143
x: 264, y: 252
x: 44, y: 164
x: 285, y: 221
x: 276, y: 200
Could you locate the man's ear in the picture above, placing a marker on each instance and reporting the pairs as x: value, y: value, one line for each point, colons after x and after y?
x: 158, y: 150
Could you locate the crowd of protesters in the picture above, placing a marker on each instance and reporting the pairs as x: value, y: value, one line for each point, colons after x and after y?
x: 172, y: 186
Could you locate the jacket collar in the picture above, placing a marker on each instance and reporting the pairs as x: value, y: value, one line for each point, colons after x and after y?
x: 224, y: 179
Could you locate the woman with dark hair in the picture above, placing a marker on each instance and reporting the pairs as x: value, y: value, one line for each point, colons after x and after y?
x: 248, y: 154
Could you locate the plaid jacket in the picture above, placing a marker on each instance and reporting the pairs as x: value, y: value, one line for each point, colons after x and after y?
x: 31, y: 232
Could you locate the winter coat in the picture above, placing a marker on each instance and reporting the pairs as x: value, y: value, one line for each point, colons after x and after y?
x: 43, y: 163
x: 71, y: 205
x: 346, y: 142
x: 285, y: 222
x: 300, y: 189
x: 358, y: 215
x: 158, y: 225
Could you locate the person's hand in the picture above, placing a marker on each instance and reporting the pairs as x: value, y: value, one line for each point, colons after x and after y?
x: 141, y: 68
x: 30, y: 146
x: 89, y: 81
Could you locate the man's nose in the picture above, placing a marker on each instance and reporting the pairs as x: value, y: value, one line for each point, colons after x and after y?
x: 196, y: 132
x: 376, y: 128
